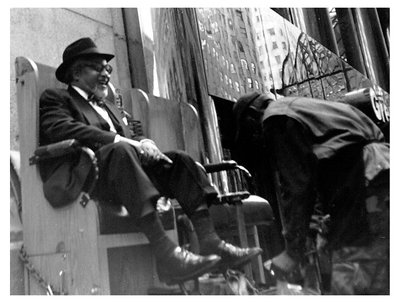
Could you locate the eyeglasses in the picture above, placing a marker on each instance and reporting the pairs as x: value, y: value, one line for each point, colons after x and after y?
x: 100, y: 67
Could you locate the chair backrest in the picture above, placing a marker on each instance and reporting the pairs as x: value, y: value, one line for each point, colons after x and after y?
x: 29, y: 89
x: 172, y: 125
x: 32, y: 78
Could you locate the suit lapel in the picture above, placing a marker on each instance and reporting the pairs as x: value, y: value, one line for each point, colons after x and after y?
x: 115, y: 116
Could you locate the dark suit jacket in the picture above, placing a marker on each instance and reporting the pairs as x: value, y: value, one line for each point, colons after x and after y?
x: 332, y: 126
x: 65, y: 114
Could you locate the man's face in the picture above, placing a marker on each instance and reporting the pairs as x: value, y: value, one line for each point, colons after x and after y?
x: 93, y: 77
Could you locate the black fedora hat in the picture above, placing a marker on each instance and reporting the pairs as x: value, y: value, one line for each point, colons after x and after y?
x: 84, y: 47
x: 244, y: 102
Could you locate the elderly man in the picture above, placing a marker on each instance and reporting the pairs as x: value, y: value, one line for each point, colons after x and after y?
x: 132, y: 170
x: 329, y: 153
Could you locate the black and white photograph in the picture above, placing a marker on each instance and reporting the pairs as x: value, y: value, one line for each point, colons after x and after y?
x: 235, y: 149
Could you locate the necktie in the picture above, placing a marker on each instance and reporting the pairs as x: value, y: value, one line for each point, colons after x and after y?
x: 99, y: 102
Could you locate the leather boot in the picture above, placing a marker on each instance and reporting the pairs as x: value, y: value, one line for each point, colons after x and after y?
x: 181, y: 265
x: 210, y: 243
x: 233, y: 256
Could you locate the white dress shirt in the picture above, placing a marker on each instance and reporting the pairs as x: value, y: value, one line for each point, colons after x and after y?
x: 101, y: 111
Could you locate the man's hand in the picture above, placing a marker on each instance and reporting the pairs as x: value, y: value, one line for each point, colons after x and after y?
x: 151, y: 154
x: 134, y: 143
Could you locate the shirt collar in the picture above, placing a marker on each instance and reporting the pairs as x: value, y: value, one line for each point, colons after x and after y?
x: 80, y: 91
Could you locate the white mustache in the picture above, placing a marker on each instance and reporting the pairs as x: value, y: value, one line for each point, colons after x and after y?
x: 104, y: 78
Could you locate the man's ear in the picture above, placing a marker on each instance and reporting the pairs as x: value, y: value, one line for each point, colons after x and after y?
x: 76, y: 75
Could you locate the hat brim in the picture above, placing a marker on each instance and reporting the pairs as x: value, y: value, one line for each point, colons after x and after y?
x: 61, y: 70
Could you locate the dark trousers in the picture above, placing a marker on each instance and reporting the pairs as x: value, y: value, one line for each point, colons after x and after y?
x: 124, y: 180
x: 342, y: 191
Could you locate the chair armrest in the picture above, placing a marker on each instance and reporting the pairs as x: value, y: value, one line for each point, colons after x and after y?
x: 234, y: 189
x: 216, y: 167
x: 225, y: 165
x: 69, y: 147
x: 55, y: 150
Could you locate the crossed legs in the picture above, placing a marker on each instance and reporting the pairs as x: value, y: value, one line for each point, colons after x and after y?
x: 123, y: 179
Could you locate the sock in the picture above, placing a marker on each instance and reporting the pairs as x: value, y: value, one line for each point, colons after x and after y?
x: 152, y: 227
x: 206, y: 234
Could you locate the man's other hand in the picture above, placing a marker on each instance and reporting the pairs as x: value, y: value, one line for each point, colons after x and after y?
x: 151, y: 154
